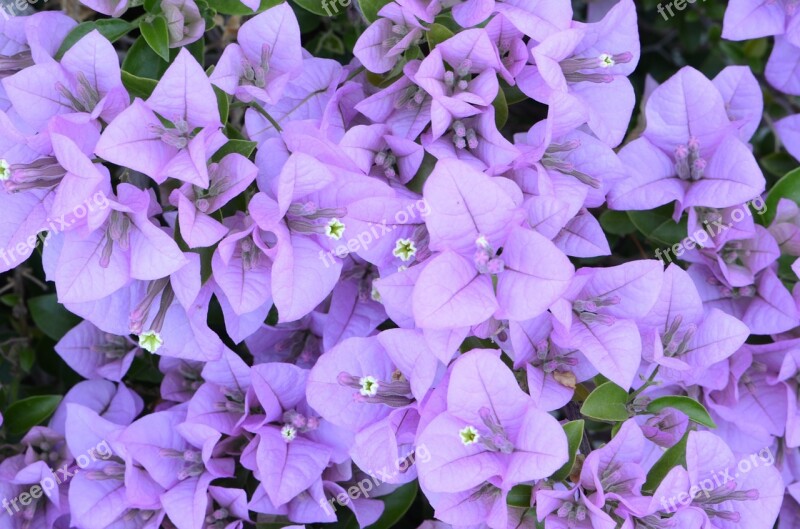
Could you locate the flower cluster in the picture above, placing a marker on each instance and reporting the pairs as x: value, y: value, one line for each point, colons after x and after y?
x: 481, y: 319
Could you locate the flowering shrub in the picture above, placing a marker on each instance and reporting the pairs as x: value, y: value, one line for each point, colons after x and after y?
x: 413, y: 262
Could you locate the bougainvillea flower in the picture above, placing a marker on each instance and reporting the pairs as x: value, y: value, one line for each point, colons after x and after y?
x: 750, y: 499
x: 305, y: 97
x: 185, y: 24
x: 598, y: 314
x: 587, y: 67
x: 536, y: 19
x: 751, y: 19
x: 93, y: 353
x: 398, y: 27
x: 123, y: 244
x: 378, y: 153
x: 467, y: 219
x: 86, y: 80
x: 227, y: 179
x: 490, y: 429
x: 457, y: 90
x: 686, y: 340
x: 138, y: 139
x: 266, y: 58
x: 690, y: 152
x: 180, y: 457
x: 357, y: 384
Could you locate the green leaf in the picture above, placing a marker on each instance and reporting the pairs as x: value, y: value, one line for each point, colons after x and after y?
x: 110, y: 28
x: 500, y: 109
x: 520, y: 496
x: 24, y: 414
x: 778, y: 163
x: 786, y: 187
x: 437, y: 34
x: 616, y: 223
x: 325, y: 8
x: 235, y: 7
x: 658, y: 226
x: 223, y: 103
x: 756, y: 48
x: 196, y: 48
x: 696, y: 411
x: 243, y: 147
x: 574, y: 431
x: 447, y: 21
x: 51, y: 317
x: 152, y: 6
x: 156, y: 33
x: 143, y: 369
x: 424, y: 171
x: 331, y: 43
x: 672, y: 457
x: 9, y: 300
x: 138, y: 86
x: 27, y: 357
x: 370, y: 8
x: 396, y: 505
x: 608, y: 402
x: 513, y: 94
x: 142, y: 61
x: 414, y: 52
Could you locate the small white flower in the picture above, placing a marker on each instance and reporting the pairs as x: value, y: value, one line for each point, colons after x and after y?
x: 369, y: 386
x: 405, y: 249
x: 5, y: 172
x: 288, y: 432
x: 150, y: 341
x: 606, y: 60
x: 334, y: 229
x: 469, y: 435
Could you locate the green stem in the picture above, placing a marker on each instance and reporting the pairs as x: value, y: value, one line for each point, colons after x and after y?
x: 264, y: 113
x: 647, y: 384
x: 355, y: 73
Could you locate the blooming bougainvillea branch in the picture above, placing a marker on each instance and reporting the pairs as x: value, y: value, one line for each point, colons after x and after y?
x: 512, y: 264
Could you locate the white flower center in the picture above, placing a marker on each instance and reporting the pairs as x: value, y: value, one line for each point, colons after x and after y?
x: 288, y: 432
x: 334, y: 229
x: 150, y: 341
x: 606, y: 60
x: 5, y: 172
x: 469, y: 435
x: 405, y: 249
x: 369, y: 386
